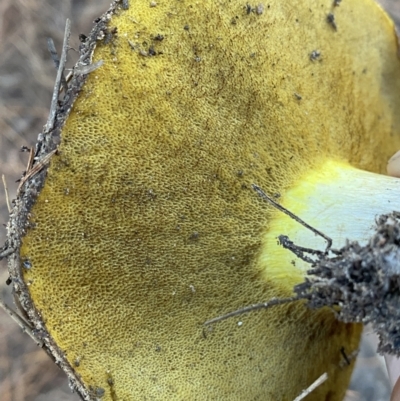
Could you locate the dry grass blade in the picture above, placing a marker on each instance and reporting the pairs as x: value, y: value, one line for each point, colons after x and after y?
x: 6, y: 193
x: 5, y: 251
x: 87, y: 69
x: 312, y: 387
x: 25, y: 326
x: 36, y: 168
x: 60, y: 72
x: 56, y: 60
x: 251, y: 308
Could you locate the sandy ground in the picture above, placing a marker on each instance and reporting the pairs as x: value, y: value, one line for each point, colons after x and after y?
x: 26, y: 79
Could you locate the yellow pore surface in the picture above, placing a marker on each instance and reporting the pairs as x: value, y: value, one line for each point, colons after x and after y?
x: 147, y: 225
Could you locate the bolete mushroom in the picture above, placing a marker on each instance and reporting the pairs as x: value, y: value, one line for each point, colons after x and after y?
x: 143, y: 223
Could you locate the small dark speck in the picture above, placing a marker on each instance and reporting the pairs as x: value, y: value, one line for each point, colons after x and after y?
x: 82, y: 38
x: 336, y: 3
x: 158, y: 348
x: 331, y: 20
x: 186, y: 27
x: 99, y: 392
x: 315, y: 55
x: 152, y: 52
x: 364, y: 71
x: 27, y: 264
x: 345, y: 357
x: 297, y: 96
x: 159, y: 37
x: 194, y: 236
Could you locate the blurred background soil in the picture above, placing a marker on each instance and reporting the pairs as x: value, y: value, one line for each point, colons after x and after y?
x: 26, y: 80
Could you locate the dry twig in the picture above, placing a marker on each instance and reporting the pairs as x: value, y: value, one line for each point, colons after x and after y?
x: 6, y: 193
x: 25, y: 326
x: 251, y: 308
x: 36, y: 168
x: 312, y: 387
x: 60, y: 72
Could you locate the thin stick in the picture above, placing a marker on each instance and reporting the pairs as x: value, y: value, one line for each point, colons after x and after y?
x: 25, y: 326
x: 30, y: 160
x: 56, y: 60
x: 346, y: 361
x: 6, y: 192
x: 293, y: 216
x: 36, y: 168
x: 313, y: 386
x: 56, y: 91
x: 68, y: 78
x: 250, y: 308
x: 5, y: 251
x: 298, y: 250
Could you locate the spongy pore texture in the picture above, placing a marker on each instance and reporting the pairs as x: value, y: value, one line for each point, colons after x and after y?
x: 147, y: 225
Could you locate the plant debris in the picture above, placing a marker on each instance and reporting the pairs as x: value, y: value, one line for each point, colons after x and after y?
x: 362, y: 283
x: 331, y: 20
x: 312, y: 387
